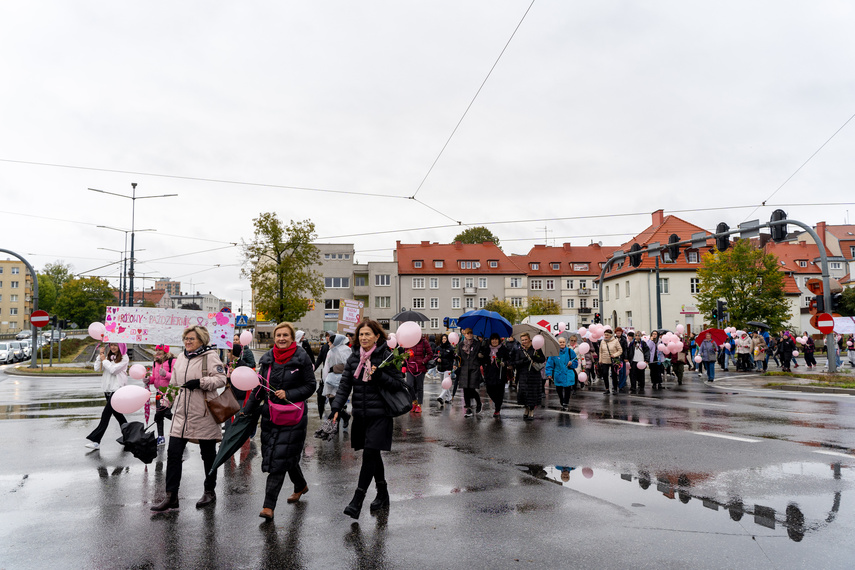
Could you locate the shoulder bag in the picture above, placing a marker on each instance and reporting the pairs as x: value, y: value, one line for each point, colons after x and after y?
x: 288, y: 414
x: 397, y: 397
x: 223, y: 406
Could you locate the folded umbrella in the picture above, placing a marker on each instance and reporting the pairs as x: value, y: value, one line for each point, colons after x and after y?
x: 236, y: 435
x: 484, y: 323
x: 141, y: 443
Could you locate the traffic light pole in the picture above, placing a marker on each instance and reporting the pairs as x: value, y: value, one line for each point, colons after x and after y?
x: 747, y: 229
x: 35, y: 334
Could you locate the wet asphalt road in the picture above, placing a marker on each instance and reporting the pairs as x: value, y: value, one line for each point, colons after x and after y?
x: 705, y: 476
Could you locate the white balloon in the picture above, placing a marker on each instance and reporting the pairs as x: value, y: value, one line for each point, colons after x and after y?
x: 409, y: 334
x: 453, y: 338
x: 128, y: 399
x: 137, y: 372
x: 537, y: 342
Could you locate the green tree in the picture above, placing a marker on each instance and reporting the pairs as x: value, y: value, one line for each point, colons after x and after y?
x: 477, y: 234
x: 84, y: 301
x: 749, y: 281
x: 60, y: 273
x: 847, y: 302
x: 279, y: 262
x: 541, y: 306
x: 47, y: 293
x: 505, y: 309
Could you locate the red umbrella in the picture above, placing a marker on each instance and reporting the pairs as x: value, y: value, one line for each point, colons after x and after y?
x: 718, y: 336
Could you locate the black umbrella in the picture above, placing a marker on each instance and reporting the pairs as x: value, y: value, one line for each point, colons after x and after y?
x: 141, y: 443
x: 405, y: 316
x: 236, y: 435
x: 758, y: 324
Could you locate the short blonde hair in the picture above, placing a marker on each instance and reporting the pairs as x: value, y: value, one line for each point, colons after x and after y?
x: 525, y: 334
x: 466, y: 331
x: 289, y: 326
x: 201, y: 332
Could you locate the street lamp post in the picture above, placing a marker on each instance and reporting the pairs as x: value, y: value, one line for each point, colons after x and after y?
x: 123, y: 280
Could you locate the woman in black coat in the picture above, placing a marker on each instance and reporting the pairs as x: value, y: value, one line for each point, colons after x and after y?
x: 496, y: 362
x: 470, y: 352
x: 529, y: 363
x: 368, y: 369
x: 292, y: 381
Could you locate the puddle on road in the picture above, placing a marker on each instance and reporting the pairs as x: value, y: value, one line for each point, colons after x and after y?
x: 800, y: 499
x: 54, y: 409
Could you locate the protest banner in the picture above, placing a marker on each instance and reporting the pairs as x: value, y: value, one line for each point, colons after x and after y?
x: 147, y: 325
x: 349, y: 315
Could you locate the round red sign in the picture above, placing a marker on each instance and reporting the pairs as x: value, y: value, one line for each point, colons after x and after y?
x: 39, y: 318
x: 825, y: 323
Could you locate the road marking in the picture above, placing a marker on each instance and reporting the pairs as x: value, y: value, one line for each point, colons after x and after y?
x: 834, y: 453
x: 626, y: 422
x: 708, y: 404
x: 723, y: 436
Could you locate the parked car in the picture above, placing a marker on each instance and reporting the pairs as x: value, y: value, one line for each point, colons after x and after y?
x: 17, y: 351
x: 54, y: 336
x: 24, y: 334
x: 28, y: 348
x: 6, y: 356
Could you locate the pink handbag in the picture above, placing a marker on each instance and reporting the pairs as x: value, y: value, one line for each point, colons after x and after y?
x: 288, y: 414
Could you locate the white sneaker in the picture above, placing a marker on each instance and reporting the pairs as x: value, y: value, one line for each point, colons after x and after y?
x: 93, y: 445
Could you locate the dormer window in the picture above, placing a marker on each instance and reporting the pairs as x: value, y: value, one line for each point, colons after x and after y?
x: 556, y: 266
x: 535, y: 266
x: 417, y: 264
x: 493, y: 264
x: 469, y: 264
x: 438, y: 263
x: 802, y: 263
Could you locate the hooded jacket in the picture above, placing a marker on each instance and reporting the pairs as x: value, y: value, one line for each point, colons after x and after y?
x: 115, y: 373
x: 561, y: 367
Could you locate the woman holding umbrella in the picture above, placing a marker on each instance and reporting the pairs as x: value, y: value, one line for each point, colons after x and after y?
x: 289, y: 380
x: 708, y: 352
x: 470, y: 355
x: 529, y: 363
x: 367, y: 371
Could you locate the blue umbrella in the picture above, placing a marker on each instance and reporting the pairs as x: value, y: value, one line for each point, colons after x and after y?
x: 484, y: 323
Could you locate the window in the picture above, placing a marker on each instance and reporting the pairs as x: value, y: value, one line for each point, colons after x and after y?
x: 571, y: 303
x: 832, y: 265
x: 15, y: 270
x: 14, y: 284
x: 550, y: 284
x: 331, y: 304
x: 583, y: 303
x: 455, y: 282
x: 694, y: 285
x: 469, y: 264
x: 596, y: 303
x: 418, y: 302
x: 13, y: 311
x: 629, y: 318
x: 851, y: 253
x: 535, y: 266
x: 434, y: 302
x: 626, y: 286
x: 417, y: 264
x: 583, y: 284
x: 434, y: 282
x: 693, y: 257
x: 418, y: 282
x: 455, y: 302
x: 1, y: 270
x: 13, y: 298
x: 536, y: 284
x: 482, y: 282
x: 516, y: 301
x: 595, y: 285
x: 1, y: 297
x: 516, y: 282
x: 337, y: 282
x: 382, y: 302
x: 802, y: 263
x: 438, y: 263
x: 617, y: 290
x: 663, y: 285
x: 666, y: 257
x: 568, y: 283
x: 495, y: 264
x: 382, y: 280
x: 434, y: 323
x: 482, y: 302
x: 470, y: 302
x: 359, y: 281
x: 469, y: 282
x: 556, y: 266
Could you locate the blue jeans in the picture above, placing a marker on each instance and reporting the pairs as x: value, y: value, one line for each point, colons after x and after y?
x: 710, y: 366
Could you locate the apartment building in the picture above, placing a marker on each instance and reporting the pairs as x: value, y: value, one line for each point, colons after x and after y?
x: 171, y: 287
x: 16, y: 296
x: 205, y: 301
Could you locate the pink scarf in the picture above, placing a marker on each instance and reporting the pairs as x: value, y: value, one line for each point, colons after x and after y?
x: 365, y: 362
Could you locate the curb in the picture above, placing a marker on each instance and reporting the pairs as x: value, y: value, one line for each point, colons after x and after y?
x: 813, y: 389
x: 16, y: 372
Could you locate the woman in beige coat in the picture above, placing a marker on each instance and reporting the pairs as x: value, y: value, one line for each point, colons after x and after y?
x: 198, y: 373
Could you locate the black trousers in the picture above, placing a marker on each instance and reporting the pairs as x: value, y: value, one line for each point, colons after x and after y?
x: 564, y: 394
x: 497, y: 395
x: 372, y: 468
x: 276, y: 480
x: 655, y: 373
x: 174, y: 460
x: 106, y: 413
x: 469, y: 394
x: 604, y: 374
x: 636, y: 377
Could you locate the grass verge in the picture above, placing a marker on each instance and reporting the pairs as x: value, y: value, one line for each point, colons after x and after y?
x: 71, y: 349
x: 56, y: 370
x: 823, y: 380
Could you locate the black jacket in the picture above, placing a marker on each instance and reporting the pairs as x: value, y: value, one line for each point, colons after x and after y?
x: 322, y: 355
x: 496, y: 372
x: 629, y: 351
x: 529, y: 378
x: 469, y: 373
x: 445, y: 357
x: 281, y: 446
x: 365, y: 397
x: 309, y: 352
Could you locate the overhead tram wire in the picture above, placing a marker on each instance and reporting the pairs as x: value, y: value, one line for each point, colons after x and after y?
x: 790, y: 177
x: 495, y: 63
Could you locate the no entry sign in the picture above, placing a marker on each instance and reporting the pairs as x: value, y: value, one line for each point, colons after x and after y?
x: 825, y: 323
x: 41, y: 318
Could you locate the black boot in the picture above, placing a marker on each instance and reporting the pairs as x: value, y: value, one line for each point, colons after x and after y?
x: 352, y: 510
x: 208, y: 497
x: 382, y: 499
x: 169, y: 503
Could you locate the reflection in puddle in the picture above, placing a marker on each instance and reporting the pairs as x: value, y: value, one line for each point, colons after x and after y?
x: 793, y: 496
x: 53, y: 409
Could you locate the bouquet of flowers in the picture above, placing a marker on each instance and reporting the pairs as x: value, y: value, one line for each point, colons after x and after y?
x: 398, y: 358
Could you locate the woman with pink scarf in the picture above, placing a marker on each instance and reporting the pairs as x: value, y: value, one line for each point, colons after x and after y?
x: 369, y: 368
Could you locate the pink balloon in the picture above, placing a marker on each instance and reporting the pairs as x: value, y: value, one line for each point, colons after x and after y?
x: 795, y: 353
x: 663, y: 348
x: 727, y: 346
x: 562, y: 327
x: 680, y: 346
x: 391, y: 342
x: 680, y: 329
x: 672, y: 347
x: 583, y: 377
x: 244, y: 378
x: 97, y: 330
x: 642, y: 365
x: 446, y: 383
x: 409, y: 334
x: 129, y: 399
x: 137, y: 372
x: 537, y: 342
x: 582, y: 331
x: 583, y: 348
x: 587, y: 472
x: 848, y: 343
x: 698, y: 359
x: 245, y: 338
x: 453, y: 338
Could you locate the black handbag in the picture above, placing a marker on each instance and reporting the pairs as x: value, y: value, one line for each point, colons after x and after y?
x: 398, y: 401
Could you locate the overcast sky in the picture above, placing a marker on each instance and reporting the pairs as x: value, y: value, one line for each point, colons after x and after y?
x: 595, y: 108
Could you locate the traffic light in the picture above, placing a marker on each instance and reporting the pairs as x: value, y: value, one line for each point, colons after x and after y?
x: 673, y: 250
x: 53, y: 321
x: 721, y: 309
x: 63, y: 323
x: 715, y: 314
x: 635, y: 255
x: 819, y: 303
x: 596, y: 318
x: 722, y: 242
x: 779, y: 232
x: 445, y: 322
x: 836, y: 302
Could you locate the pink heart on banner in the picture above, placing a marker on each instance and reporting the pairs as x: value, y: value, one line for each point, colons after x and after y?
x: 222, y: 319
x: 229, y: 343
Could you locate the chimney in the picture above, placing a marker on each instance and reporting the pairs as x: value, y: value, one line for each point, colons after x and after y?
x: 820, y: 231
x: 658, y: 217
x: 425, y: 243
x: 458, y: 245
